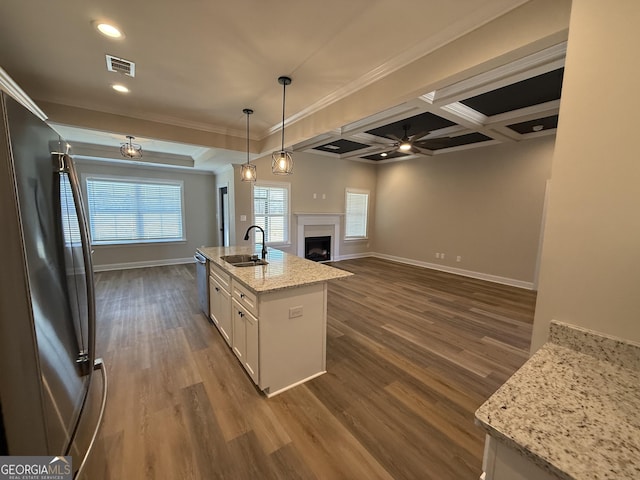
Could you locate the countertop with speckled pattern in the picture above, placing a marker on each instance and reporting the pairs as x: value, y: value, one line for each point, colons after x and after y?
x: 282, y: 271
x: 574, y: 406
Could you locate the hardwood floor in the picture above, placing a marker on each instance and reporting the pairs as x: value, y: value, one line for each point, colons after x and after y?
x: 411, y: 354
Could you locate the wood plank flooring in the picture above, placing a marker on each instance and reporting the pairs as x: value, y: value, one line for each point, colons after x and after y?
x: 411, y: 354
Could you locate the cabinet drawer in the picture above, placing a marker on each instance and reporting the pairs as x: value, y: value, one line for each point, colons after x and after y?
x: 245, y: 297
x: 222, y: 277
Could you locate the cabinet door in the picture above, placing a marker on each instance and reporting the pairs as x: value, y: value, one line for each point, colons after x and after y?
x: 220, y: 308
x: 239, y: 337
x: 251, y: 356
x: 224, y: 324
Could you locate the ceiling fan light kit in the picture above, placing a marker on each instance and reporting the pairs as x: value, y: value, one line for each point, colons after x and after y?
x: 130, y: 149
x: 282, y: 161
x: 248, y: 172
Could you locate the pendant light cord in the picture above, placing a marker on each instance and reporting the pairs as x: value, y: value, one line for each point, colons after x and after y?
x: 284, y: 96
x: 247, y: 138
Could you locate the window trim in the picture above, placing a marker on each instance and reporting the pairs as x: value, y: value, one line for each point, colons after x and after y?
x: 349, y: 190
x: 85, y: 177
x: 273, y: 184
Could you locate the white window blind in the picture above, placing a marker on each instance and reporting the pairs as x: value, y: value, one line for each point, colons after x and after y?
x: 127, y: 210
x: 357, y: 205
x: 271, y: 211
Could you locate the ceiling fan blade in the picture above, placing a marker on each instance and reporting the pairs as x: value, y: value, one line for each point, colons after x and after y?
x: 422, y: 151
x: 433, y: 143
x: 393, y: 137
x: 418, y: 136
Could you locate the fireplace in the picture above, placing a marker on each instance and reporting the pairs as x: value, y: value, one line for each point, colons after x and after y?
x: 317, y: 249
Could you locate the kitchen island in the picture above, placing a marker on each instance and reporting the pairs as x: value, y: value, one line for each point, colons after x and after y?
x: 273, y: 316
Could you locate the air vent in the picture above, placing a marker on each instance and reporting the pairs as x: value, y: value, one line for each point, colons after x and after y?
x: 120, y: 65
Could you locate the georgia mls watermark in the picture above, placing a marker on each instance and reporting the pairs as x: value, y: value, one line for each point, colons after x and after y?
x: 35, y: 468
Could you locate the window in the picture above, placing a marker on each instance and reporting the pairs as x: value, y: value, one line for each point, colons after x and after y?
x: 357, y: 205
x: 131, y: 210
x: 271, y: 210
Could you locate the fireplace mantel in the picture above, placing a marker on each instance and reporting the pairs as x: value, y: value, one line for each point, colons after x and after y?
x: 331, y: 219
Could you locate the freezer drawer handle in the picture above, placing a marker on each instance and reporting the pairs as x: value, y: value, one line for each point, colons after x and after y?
x: 97, y: 365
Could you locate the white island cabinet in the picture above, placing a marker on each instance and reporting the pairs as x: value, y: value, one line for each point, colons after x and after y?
x: 274, y: 316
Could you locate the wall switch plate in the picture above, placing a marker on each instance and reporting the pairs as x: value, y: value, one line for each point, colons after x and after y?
x: 243, y: 218
x: 442, y: 255
x: 458, y: 258
x: 295, y: 312
x: 437, y: 255
x: 315, y: 195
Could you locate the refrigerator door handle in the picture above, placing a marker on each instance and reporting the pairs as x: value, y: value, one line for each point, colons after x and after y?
x: 86, y: 358
x: 98, y: 365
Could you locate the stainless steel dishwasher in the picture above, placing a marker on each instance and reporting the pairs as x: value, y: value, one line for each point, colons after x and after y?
x: 202, y: 274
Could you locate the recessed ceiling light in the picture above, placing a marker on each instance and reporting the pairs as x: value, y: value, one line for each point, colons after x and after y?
x: 537, y: 128
x: 383, y: 154
x: 108, y: 30
x: 120, y: 88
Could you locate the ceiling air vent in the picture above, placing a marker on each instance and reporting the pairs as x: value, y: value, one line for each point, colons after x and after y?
x: 120, y: 65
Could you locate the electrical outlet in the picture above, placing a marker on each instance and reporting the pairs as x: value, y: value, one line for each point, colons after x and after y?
x: 295, y: 312
x: 458, y: 258
x: 243, y: 218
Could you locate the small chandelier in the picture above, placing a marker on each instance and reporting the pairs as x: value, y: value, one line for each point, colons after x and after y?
x: 282, y: 161
x: 248, y: 171
x: 131, y: 150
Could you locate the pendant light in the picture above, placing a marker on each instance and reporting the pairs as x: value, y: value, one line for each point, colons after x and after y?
x: 248, y: 171
x: 282, y: 161
x: 130, y: 149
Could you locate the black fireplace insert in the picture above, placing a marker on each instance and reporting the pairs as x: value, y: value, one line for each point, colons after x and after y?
x: 317, y: 249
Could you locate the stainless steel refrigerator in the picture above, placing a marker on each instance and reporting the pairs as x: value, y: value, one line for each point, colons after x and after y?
x: 47, y: 307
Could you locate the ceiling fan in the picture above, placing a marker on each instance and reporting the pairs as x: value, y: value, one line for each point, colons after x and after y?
x: 411, y: 144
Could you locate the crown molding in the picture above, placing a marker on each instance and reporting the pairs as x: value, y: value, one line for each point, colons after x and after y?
x: 407, y: 57
x: 13, y: 89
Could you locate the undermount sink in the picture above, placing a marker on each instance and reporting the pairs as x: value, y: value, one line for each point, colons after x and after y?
x: 244, y: 260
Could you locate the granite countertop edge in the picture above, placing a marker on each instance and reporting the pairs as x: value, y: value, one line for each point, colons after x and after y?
x: 570, y: 391
x: 284, y: 271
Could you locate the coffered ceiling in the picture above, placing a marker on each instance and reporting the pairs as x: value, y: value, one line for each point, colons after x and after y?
x: 198, y: 64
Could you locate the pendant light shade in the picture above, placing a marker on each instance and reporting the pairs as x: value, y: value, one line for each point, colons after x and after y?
x: 130, y: 149
x: 248, y: 171
x: 282, y: 161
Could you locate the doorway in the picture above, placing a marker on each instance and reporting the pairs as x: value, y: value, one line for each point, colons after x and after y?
x: 224, y: 217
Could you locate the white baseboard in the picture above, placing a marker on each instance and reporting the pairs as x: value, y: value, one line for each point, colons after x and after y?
x: 351, y: 256
x: 145, y: 264
x: 444, y: 268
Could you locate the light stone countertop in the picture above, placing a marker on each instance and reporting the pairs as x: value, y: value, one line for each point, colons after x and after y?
x: 574, y: 406
x: 282, y: 271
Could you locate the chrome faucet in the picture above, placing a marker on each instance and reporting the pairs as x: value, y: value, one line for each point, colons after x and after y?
x: 264, y: 245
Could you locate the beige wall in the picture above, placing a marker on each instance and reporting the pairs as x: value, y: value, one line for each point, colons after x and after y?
x: 200, y: 221
x: 590, y: 271
x: 483, y: 204
x: 312, y: 174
